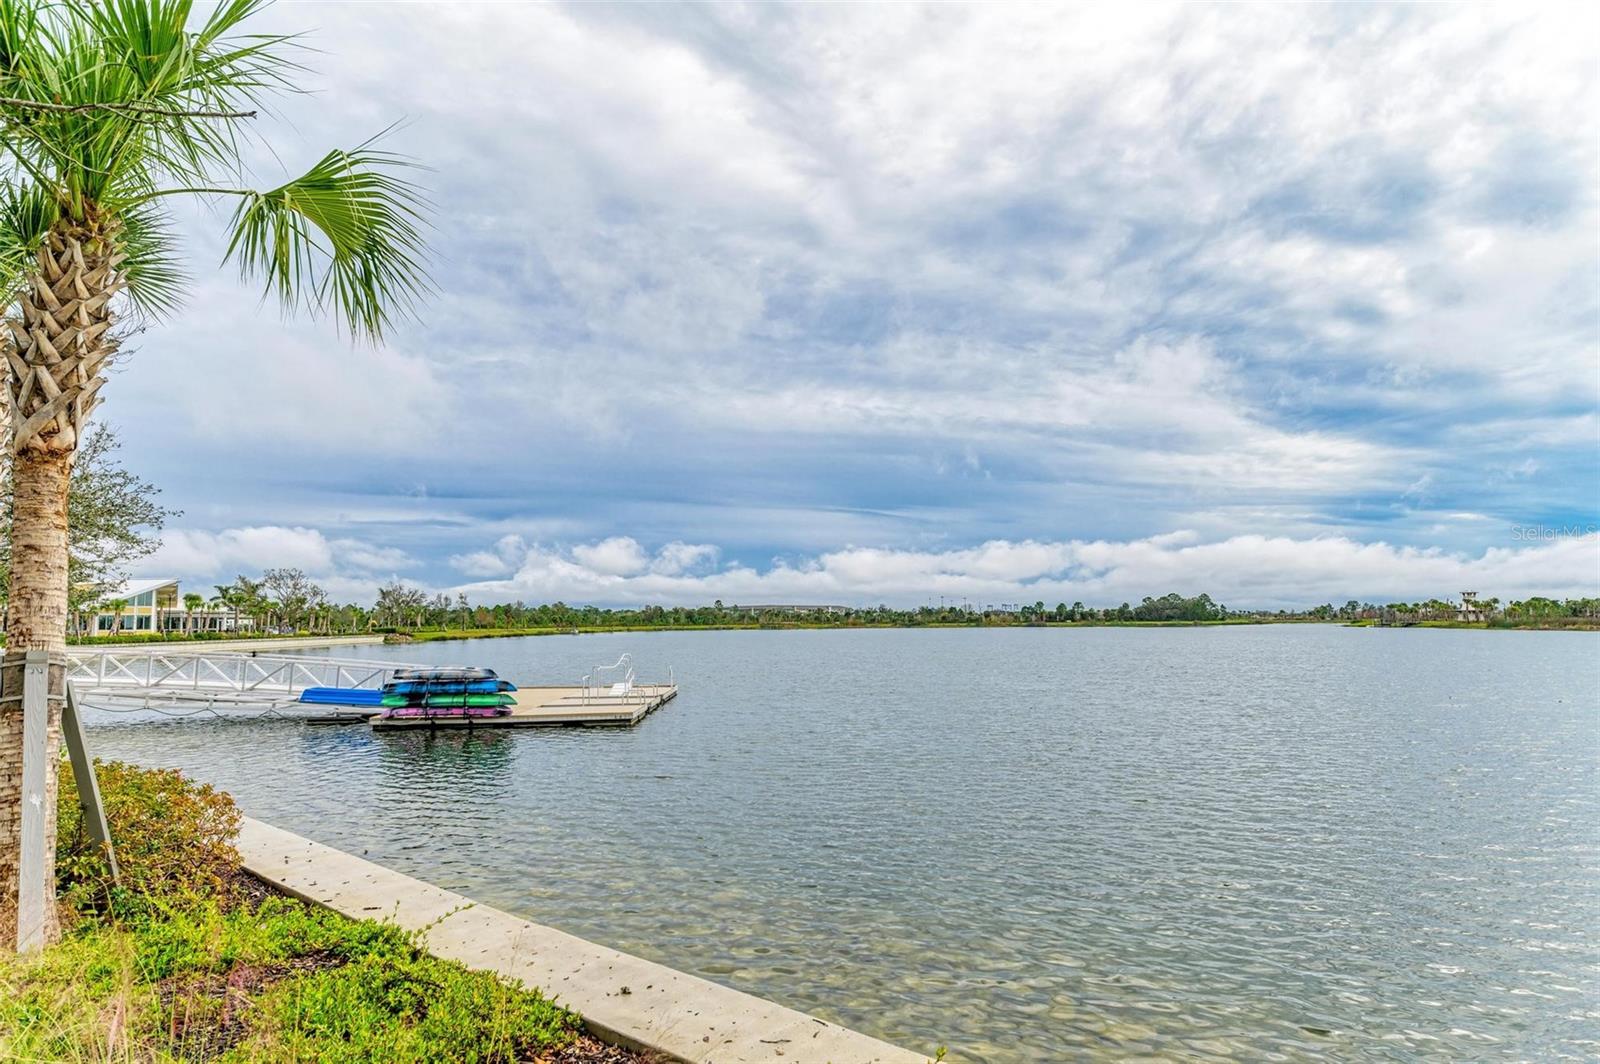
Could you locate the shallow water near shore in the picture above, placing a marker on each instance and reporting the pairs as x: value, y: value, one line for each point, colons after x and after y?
x: 1026, y: 844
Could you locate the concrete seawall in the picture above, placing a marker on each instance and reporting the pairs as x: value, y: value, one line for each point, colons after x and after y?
x: 263, y: 645
x: 622, y: 998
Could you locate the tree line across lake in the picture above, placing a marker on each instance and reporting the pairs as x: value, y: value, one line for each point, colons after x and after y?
x: 286, y: 600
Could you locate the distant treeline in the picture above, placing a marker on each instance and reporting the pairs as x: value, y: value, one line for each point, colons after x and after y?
x: 402, y: 607
x: 286, y: 600
x: 1483, y: 610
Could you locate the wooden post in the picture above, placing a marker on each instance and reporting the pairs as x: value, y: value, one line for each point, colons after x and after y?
x: 94, y: 813
x: 31, y: 864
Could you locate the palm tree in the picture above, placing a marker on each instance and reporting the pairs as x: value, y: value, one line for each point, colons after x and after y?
x: 220, y: 602
x: 226, y: 599
x: 107, y: 109
x: 191, y: 602
x: 117, y: 607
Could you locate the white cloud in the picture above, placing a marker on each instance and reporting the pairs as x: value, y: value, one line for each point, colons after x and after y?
x: 240, y: 550
x: 1156, y: 413
x: 677, y: 558
x: 1243, y: 571
x: 500, y: 560
x: 217, y: 557
x: 285, y: 385
x: 617, y: 556
x: 355, y: 554
x: 904, y: 274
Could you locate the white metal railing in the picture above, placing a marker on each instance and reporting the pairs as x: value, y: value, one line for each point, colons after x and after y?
x: 610, y: 681
x: 620, y: 682
x: 154, y: 676
x: 145, y: 672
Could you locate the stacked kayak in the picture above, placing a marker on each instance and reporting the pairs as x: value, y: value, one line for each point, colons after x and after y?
x: 447, y: 693
x: 341, y: 696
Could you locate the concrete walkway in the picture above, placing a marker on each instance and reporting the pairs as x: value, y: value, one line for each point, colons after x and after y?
x: 262, y: 644
x: 266, y: 644
x: 622, y: 999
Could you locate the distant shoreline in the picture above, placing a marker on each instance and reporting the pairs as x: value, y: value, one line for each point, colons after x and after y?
x: 1571, y: 624
x: 310, y: 640
x: 442, y: 635
x: 402, y: 638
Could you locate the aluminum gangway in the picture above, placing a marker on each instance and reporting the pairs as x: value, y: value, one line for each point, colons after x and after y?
x: 154, y: 676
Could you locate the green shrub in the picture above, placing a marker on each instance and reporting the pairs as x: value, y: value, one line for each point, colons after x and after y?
x: 206, y: 936
x: 397, y: 1004
x: 173, y: 839
x: 285, y: 982
x: 175, y: 965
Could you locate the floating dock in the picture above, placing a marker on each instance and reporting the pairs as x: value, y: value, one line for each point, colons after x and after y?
x: 204, y: 681
x: 554, y: 707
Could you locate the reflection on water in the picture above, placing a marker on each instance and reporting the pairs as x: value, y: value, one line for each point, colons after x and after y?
x: 1028, y: 844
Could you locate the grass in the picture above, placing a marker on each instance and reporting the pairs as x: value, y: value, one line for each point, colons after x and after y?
x: 272, y: 980
x: 191, y: 959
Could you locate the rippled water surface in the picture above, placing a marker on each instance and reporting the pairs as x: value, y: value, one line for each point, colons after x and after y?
x: 1028, y: 844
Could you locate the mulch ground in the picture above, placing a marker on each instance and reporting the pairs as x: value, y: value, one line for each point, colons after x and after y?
x: 245, y: 891
x: 588, y: 1050
x: 210, y: 1013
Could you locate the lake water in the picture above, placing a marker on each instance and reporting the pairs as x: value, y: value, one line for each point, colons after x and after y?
x: 1027, y: 844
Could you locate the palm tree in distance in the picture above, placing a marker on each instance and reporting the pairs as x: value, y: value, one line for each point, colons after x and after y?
x: 117, y: 607
x: 108, y: 108
x: 191, y: 602
x: 222, y: 601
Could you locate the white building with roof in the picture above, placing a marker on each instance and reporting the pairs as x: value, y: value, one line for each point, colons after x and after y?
x: 142, y: 603
x: 153, y: 605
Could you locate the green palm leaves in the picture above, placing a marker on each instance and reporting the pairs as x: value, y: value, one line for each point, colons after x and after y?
x: 344, y: 235
x: 108, y: 107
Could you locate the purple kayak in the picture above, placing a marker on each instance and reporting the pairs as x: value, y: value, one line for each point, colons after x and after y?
x: 446, y: 711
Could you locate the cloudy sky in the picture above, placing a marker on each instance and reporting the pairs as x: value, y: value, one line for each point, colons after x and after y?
x: 855, y: 303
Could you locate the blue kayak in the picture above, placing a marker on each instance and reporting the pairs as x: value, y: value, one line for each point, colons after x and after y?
x: 341, y: 696
x: 448, y: 687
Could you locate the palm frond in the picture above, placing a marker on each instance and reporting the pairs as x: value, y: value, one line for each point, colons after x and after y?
x: 156, y: 281
x: 19, y: 40
x: 26, y: 214
x: 210, y: 70
x: 345, y: 236
x: 151, y: 40
x: 131, y: 87
x: 113, y: 104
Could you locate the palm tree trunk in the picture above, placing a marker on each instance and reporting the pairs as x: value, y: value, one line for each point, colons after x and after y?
x: 37, y: 621
x: 53, y: 361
